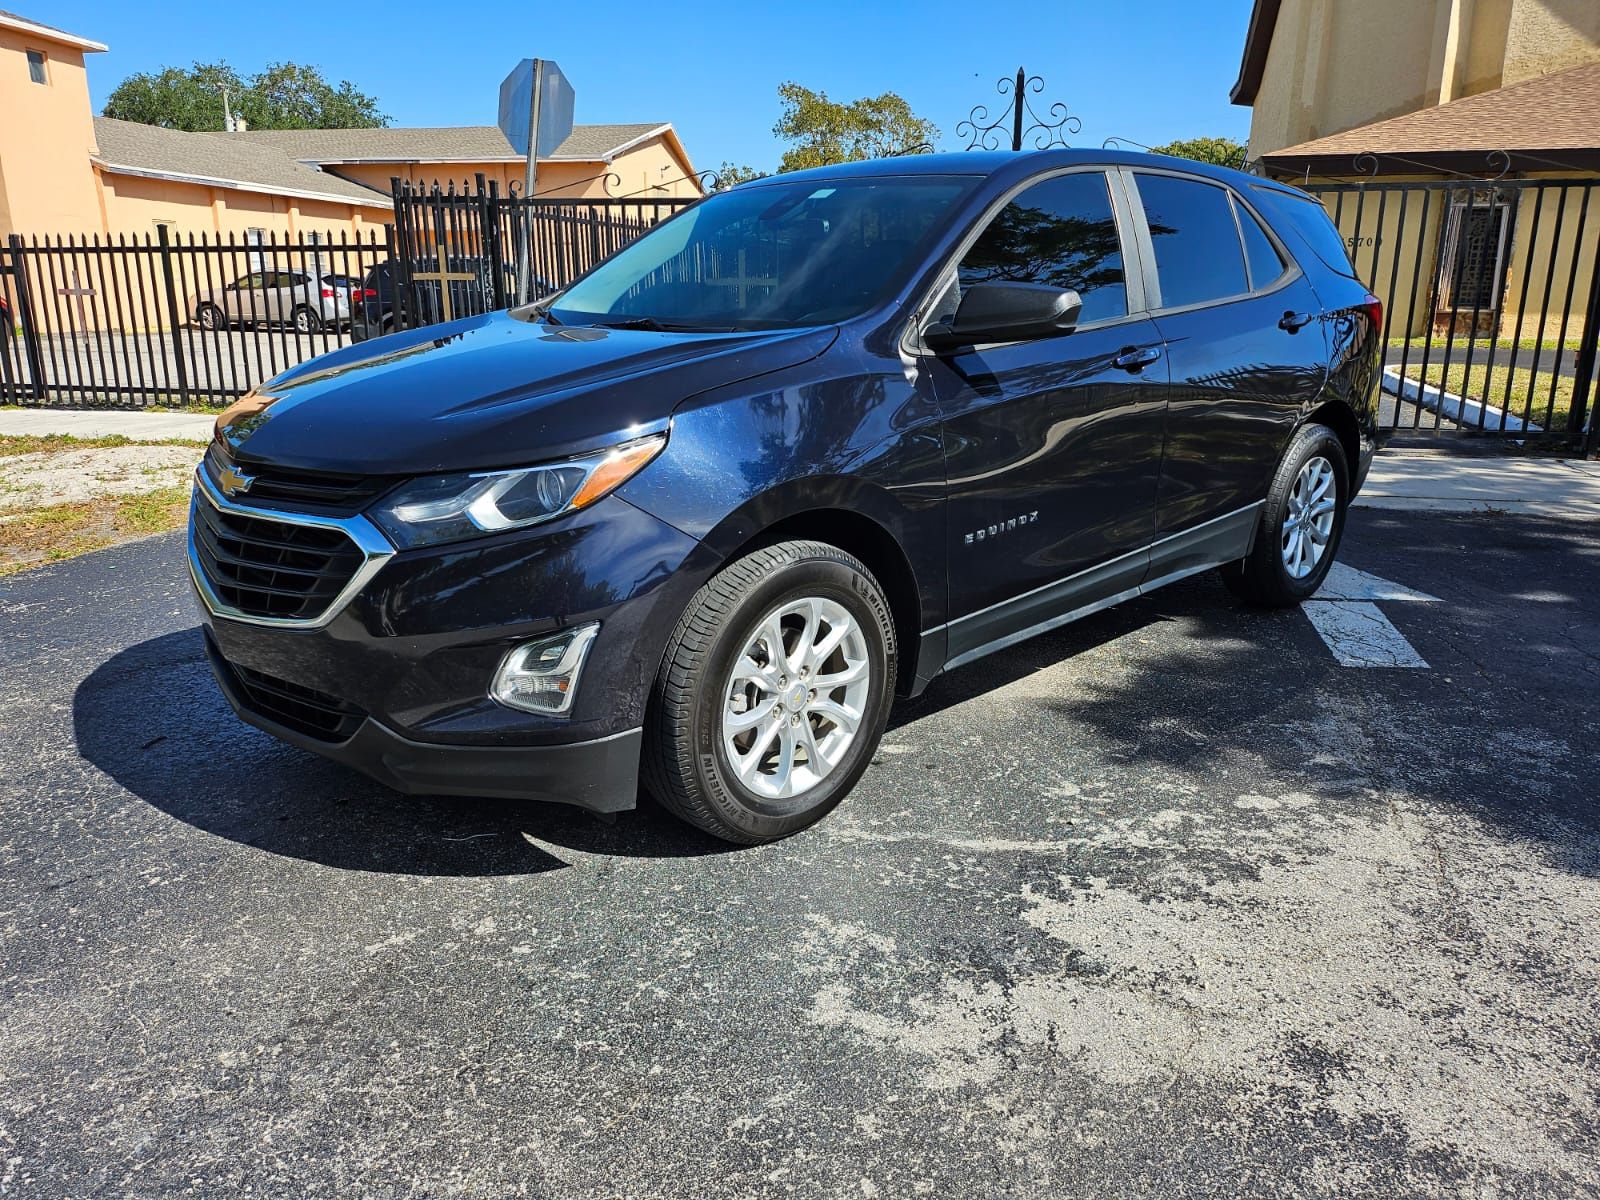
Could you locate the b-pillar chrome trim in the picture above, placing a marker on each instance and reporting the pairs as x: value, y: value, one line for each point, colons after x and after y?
x: 375, y: 549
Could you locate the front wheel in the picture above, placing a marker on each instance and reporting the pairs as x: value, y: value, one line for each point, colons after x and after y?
x: 773, y: 693
x: 1301, y: 524
x: 210, y: 318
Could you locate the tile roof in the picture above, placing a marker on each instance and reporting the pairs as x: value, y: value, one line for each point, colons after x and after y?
x: 224, y: 160
x: 1552, y: 114
x: 454, y: 143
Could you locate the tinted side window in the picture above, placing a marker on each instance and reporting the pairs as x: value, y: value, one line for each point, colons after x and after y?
x: 1198, y: 257
x: 1266, y: 264
x: 1061, y: 232
x: 1310, y: 220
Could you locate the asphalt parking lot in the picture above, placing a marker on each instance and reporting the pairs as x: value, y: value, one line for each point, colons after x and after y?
x: 1168, y: 903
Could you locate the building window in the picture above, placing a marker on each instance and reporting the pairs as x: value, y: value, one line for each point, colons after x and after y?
x: 1476, y: 234
x: 36, y: 67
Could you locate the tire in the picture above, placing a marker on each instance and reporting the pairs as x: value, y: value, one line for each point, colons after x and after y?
x: 692, y: 762
x: 210, y: 318
x: 307, y: 321
x: 1273, y: 575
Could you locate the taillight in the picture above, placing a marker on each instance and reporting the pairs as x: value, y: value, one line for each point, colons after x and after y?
x: 327, y: 292
x: 1373, y: 307
x: 369, y: 294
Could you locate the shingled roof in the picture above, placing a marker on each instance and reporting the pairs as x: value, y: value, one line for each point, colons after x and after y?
x: 227, y: 161
x: 452, y: 143
x: 1551, y: 122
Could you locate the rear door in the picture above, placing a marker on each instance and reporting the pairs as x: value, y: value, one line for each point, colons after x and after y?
x: 1052, y: 446
x: 1246, y: 350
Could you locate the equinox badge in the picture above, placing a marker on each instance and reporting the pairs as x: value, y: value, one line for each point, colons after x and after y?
x: 995, y: 530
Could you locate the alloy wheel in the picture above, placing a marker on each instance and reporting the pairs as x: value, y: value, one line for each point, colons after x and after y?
x: 796, y: 697
x: 1308, y: 522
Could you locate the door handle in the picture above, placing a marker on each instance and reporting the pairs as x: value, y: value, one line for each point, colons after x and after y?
x: 1294, y: 322
x: 1135, y: 359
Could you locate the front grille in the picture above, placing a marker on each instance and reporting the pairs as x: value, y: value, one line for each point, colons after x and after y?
x: 265, y: 568
x: 305, y: 710
x: 319, y: 491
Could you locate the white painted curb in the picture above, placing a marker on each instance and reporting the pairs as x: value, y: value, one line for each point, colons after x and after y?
x: 1453, y: 407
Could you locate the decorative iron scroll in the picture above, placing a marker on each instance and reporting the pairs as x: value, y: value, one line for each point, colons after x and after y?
x: 1497, y: 164
x: 612, y: 180
x: 1018, y: 119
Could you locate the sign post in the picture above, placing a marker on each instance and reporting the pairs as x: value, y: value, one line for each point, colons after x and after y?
x: 536, y: 103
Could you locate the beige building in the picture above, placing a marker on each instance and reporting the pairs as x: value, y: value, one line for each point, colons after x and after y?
x: 1436, y: 94
x: 64, y: 171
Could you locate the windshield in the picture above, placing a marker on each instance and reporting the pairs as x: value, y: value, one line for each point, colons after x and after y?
x: 769, y: 257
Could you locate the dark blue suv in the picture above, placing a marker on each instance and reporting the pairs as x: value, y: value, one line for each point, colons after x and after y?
x: 695, y: 520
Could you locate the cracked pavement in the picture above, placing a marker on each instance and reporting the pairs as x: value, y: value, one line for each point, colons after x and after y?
x: 1165, y: 903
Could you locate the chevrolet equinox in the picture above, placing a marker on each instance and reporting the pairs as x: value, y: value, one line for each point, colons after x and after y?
x: 694, y: 521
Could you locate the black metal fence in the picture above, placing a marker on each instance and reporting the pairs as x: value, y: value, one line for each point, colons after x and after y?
x: 179, y: 321
x: 160, y: 320
x: 518, y: 248
x: 1491, y: 292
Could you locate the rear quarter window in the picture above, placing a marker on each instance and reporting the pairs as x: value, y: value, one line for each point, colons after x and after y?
x: 1311, y: 221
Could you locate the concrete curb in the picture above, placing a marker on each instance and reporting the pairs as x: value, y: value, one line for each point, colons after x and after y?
x: 1474, y: 414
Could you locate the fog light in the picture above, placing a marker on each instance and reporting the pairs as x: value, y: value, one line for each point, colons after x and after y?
x: 542, y: 676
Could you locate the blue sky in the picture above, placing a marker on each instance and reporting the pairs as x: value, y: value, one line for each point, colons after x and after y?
x: 1148, y: 70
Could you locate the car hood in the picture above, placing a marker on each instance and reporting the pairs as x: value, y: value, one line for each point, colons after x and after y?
x: 491, y: 391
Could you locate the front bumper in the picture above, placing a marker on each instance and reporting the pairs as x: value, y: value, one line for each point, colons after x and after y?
x: 601, y: 775
x: 394, y: 680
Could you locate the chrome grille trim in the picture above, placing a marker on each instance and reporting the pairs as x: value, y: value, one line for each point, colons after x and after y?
x: 374, y: 547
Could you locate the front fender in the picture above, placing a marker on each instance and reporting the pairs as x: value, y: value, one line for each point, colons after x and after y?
x: 810, y: 441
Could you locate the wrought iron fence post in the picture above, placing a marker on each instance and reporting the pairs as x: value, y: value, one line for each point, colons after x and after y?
x: 30, y: 331
x: 489, y: 232
x: 1583, y: 375
x: 1016, y: 109
x: 173, y: 313
x: 400, y: 272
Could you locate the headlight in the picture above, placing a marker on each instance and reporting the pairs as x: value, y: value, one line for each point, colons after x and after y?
x: 446, y: 508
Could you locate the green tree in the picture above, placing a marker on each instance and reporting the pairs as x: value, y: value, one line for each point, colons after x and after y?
x: 1219, y: 151
x: 284, y: 96
x: 824, y: 131
x: 732, y: 174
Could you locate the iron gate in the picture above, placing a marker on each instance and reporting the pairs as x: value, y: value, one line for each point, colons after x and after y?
x: 462, y: 252
x: 1491, y: 291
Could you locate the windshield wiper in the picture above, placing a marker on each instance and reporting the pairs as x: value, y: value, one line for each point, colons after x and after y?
x: 654, y: 326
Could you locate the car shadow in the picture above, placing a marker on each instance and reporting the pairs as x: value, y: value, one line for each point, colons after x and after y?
x: 152, y: 719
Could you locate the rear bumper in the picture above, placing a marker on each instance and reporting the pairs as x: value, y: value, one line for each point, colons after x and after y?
x: 601, y: 775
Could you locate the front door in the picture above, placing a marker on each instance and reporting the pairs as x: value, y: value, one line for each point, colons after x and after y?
x: 1053, y: 446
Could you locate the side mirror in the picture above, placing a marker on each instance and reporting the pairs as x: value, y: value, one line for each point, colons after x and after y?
x: 1005, y: 312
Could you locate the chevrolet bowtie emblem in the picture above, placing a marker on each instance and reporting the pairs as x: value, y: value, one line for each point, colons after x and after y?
x: 232, y: 481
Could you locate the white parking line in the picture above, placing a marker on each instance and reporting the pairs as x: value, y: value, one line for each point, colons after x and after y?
x: 1355, y: 629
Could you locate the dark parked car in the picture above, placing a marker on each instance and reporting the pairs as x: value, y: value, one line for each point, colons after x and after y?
x: 377, y: 303
x: 698, y: 518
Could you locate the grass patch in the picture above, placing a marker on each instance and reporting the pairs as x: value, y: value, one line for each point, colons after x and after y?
x: 43, y: 535
x: 1480, y: 345
x: 1476, y: 382
x: 59, y: 443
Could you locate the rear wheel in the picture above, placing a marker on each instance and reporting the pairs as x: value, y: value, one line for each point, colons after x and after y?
x: 773, y: 693
x: 210, y: 317
x: 1301, y: 524
x: 307, y: 321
